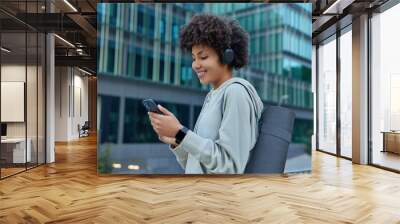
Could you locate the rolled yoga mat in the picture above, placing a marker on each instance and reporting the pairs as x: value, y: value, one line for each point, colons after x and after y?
x: 275, y: 134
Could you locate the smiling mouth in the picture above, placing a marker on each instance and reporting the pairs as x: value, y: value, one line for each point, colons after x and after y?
x: 201, y: 74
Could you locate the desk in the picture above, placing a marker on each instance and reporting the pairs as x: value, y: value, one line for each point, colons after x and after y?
x: 391, y: 142
x: 16, y: 147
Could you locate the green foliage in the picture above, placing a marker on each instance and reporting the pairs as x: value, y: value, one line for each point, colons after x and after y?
x: 104, y: 161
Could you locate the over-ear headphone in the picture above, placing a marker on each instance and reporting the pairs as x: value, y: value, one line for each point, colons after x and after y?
x: 228, y: 56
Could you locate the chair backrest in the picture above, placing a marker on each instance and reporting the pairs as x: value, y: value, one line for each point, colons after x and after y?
x: 275, y: 133
x: 85, y: 126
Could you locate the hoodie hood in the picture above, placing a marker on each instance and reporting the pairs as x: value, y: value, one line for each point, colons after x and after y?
x: 257, y: 103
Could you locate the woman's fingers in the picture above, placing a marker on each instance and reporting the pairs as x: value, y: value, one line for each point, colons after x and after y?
x: 154, y: 123
x: 156, y: 127
x: 155, y: 115
x: 164, y: 110
x: 153, y: 118
x: 165, y: 125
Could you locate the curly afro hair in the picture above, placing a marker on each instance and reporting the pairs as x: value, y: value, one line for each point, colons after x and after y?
x: 218, y: 33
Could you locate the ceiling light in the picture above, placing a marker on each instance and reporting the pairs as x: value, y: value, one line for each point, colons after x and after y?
x: 71, y: 6
x: 134, y: 167
x: 5, y: 50
x: 65, y: 41
x: 338, y: 6
x: 331, y: 7
x: 84, y: 71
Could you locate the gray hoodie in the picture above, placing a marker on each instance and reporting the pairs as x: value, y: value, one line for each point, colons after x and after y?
x: 225, y: 131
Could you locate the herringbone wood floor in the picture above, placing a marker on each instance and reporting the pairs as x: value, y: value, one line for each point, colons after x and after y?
x: 70, y: 191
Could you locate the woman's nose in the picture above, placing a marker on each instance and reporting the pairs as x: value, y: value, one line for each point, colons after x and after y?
x: 196, y: 65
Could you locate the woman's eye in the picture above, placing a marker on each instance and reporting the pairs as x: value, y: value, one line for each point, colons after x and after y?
x: 204, y: 57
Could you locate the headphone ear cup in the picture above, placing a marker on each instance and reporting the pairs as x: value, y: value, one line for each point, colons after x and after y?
x: 228, y: 56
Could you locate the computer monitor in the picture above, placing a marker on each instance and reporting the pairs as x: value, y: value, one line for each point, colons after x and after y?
x: 3, y: 129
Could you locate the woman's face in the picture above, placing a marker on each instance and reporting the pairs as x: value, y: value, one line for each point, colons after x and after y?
x: 206, y: 64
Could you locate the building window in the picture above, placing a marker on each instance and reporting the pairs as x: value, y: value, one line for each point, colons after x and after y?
x: 161, y: 69
x: 23, y: 80
x: 186, y: 74
x: 327, y: 96
x: 346, y: 94
x: 172, y: 73
x: 111, y: 56
x: 138, y: 65
x: 137, y: 126
x: 151, y: 24
x: 302, y: 131
x: 150, y: 68
x: 181, y: 111
x: 109, y: 119
x: 140, y: 20
x: 385, y: 89
x: 162, y: 29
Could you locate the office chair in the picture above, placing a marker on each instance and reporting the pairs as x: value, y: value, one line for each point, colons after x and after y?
x: 84, y: 130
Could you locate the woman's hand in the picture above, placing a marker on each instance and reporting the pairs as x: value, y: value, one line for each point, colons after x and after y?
x: 165, y: 124
x: 168, y: 140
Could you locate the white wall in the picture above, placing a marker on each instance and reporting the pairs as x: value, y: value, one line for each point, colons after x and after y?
x: 13, y: 101
x: 33, y: 126
x: 71, y: 93
x: 12, y: 73
x: 50, y: 93
x: 80, y: 89
x: 61, y: 103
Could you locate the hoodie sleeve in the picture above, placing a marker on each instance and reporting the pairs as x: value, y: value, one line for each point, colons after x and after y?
x: 229, y: 153
x: 181, y: 155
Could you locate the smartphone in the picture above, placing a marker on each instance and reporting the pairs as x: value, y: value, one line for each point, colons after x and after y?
x: 151, y: 106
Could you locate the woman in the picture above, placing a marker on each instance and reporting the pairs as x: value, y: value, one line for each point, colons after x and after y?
x: 227, y: 127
